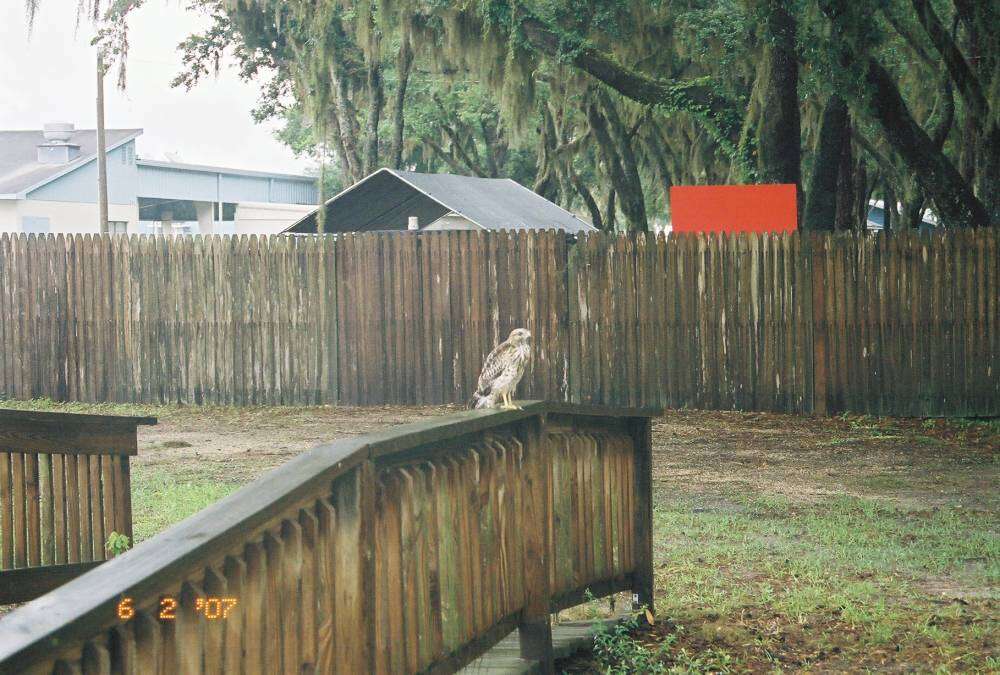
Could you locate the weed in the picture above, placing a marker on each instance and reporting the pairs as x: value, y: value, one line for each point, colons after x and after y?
x: 617, y: 651
x: 117, y: 543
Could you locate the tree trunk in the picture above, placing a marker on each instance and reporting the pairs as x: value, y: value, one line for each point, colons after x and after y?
x: 589, y: 201
x: 821, y: 198
x: 779, y: 126
x: 610, y: 212
x: 633, y: 200
x: 888, y: 208
x: 376, y: 89
x: 953, y: 198
x: 632, y: 204
x: 404, y: 64
x: 847, y: 184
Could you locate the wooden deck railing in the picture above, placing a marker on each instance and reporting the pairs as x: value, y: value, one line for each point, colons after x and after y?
x: 64, y: 487
x: 413, y: 549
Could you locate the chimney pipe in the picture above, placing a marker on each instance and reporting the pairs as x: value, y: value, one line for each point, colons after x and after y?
x: 413, y: 223
x: 58, y: 147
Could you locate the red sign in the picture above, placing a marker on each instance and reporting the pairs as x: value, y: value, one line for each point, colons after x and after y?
x: 733, y: 208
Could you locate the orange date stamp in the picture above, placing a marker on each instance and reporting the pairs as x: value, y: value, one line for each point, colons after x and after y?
x: 210, y: 608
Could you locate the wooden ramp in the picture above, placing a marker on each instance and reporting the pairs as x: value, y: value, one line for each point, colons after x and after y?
x: 567, y: 639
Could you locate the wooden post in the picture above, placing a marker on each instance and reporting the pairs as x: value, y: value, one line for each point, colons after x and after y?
x: 102, y: 150
x: 817, y: 316
x: 366, y: 504
x: 642, y: 577
x: 535, y: 628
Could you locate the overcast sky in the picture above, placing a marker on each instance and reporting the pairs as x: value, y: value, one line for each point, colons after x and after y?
x: 49, y: 77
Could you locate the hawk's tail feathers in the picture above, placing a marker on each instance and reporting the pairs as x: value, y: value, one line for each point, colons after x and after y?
x: 480, y: 401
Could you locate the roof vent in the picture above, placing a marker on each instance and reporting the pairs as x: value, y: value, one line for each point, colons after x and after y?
x: 58, y: 132
x: 57, y: 148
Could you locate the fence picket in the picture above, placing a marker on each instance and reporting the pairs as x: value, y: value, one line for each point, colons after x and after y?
x: 906, y: 324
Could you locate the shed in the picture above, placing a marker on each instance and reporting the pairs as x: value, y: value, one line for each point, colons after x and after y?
x: 388, y: 198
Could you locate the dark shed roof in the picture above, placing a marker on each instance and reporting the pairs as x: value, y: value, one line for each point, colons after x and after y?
x: 385, y: 199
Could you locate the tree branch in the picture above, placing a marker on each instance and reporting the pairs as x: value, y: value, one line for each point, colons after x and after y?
x: 968, y: 85
x: 697, y: 97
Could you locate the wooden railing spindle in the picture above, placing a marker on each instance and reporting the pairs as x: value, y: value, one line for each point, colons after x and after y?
x: 535, y: 628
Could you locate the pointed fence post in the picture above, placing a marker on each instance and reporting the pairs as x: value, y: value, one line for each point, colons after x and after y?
x: 536, y: 629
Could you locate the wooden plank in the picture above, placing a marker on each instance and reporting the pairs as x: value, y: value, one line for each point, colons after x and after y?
x: 487, y: 533
x: 535, y: 628
x: 392, y: 575
x: 447, y: 557
x: 98, y: 533
x: 214, y: 628
x: 96, y: 659
x: 383, y: 614
x: 73, y: 515
x: 352, y: 654
x: 46, y: 504
x: 255, y: 641
x: 274, y: 636
x: 34, y: 438
x: 642, y: 512
x: 291, y: 596
x: 148, y: 643
x: 87, y: 543
x: 28, y: 583
x: 125, y: 502
x: 410, y: 572
x: 109, y: 496
x: 20, y: 524
x: 309, y: 587
x: 59, y: 508
x: 6, y: 512
x: 189, y: 630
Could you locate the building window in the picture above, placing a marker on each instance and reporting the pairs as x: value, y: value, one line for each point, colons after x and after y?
x: 117, y: 227
x: 35, y: 224
x: 228, y: 212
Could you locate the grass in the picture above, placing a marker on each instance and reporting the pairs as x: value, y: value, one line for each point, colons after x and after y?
x: 781, y: 543
x: 764, y: 583
x: 162, y: 497
x: 127, y: 409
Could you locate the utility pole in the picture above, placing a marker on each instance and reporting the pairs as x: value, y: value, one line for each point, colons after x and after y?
x: 102, y: 150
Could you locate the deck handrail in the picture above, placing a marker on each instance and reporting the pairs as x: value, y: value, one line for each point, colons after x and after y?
x: 283, y: 507
x: 64, y: 487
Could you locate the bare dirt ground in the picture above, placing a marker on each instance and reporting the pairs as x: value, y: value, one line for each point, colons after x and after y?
x: 238, y: 445
x: 782, y: 543
x: 920, y: 463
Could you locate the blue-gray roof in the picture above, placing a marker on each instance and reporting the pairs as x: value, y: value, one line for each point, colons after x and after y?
x: 385, y: 199
x: 20, y: 170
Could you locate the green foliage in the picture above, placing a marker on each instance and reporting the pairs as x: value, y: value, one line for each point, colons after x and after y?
x: 117, y: 543
x: 690, y: 81
x: 161, y: 497
x: 617, y: 651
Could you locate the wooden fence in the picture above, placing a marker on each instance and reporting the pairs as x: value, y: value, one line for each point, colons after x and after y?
x: 904, y: 324
x: 411, y: 550
x: 64, y: 487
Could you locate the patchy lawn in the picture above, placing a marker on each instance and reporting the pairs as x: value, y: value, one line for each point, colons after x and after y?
x: 786, y: 543
x: 781, y: 542
x: 197, y: 455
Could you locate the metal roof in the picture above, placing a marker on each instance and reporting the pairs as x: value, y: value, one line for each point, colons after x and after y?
x: 220, y: 169
x: 386, y: 198
x: 20, y: 170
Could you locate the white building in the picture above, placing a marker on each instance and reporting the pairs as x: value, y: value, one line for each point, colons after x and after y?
x: 48, y: 183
